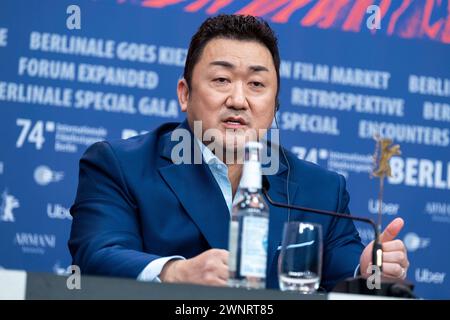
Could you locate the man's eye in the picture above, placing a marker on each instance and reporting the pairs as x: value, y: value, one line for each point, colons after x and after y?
x: 221, y: 80
x: 256, y: 84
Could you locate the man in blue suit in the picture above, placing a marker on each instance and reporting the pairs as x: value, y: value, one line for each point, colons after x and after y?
x: 142, y: 214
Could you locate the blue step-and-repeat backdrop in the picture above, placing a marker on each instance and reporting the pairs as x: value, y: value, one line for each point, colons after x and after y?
x: 344, y: 78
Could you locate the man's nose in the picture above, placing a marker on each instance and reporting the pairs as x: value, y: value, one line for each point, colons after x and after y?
x: 237, y: 98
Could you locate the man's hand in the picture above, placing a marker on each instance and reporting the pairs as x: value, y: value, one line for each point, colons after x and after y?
x: 395, y: 260
x: 208, y: 268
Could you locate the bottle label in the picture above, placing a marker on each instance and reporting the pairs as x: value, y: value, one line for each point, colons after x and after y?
x: 254, y: 246
x: 233, y: 246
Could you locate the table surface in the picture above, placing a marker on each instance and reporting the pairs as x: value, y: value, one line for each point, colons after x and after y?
x: 21, y: 285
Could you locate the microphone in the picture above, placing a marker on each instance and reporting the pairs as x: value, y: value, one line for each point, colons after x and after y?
x: 377, y: 252
x: 388, y: 287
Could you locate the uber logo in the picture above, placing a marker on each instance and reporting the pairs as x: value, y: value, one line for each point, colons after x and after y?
x: 57, y: 211
x: 386, y: 208
x: 427, y: 276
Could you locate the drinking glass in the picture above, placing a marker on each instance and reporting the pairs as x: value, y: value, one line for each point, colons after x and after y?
x: 300, y: 259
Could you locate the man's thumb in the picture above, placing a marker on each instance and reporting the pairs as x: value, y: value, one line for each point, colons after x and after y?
x: 392, y: 230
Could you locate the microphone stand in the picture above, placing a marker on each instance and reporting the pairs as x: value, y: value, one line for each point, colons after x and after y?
x: 357, y: 285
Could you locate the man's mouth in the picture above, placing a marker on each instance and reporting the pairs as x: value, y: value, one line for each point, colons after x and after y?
x: 235, y: 122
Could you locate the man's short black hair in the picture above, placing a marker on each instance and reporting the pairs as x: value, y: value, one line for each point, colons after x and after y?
x: 236, y: 27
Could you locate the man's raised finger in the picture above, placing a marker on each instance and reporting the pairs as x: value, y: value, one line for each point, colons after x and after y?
x: 392, y: 230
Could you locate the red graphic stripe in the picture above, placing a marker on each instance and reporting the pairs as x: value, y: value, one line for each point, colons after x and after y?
x: 284, y: 14
x: 356, y: 16
x: 324, y: 13
x: 406, y: 18
x: 431, y: 30
x: 262, y: 7
x: 160, y: 3
x: 397, y: 13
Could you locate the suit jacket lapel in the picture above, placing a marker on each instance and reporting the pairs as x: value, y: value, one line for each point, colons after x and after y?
x: 198, y: 192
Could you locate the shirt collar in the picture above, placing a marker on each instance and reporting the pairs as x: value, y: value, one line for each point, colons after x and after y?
x: 208, y: 156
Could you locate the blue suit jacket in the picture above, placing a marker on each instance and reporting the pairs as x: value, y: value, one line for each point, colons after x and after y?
x: 134, y: 205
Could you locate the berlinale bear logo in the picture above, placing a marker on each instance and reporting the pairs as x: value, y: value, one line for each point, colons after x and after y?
x: 8, y: 204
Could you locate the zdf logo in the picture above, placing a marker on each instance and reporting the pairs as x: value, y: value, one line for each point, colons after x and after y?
x: 43, y: 175
x: 413, y: 242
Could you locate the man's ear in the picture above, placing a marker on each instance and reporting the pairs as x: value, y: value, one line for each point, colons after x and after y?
x: 183, y: 94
